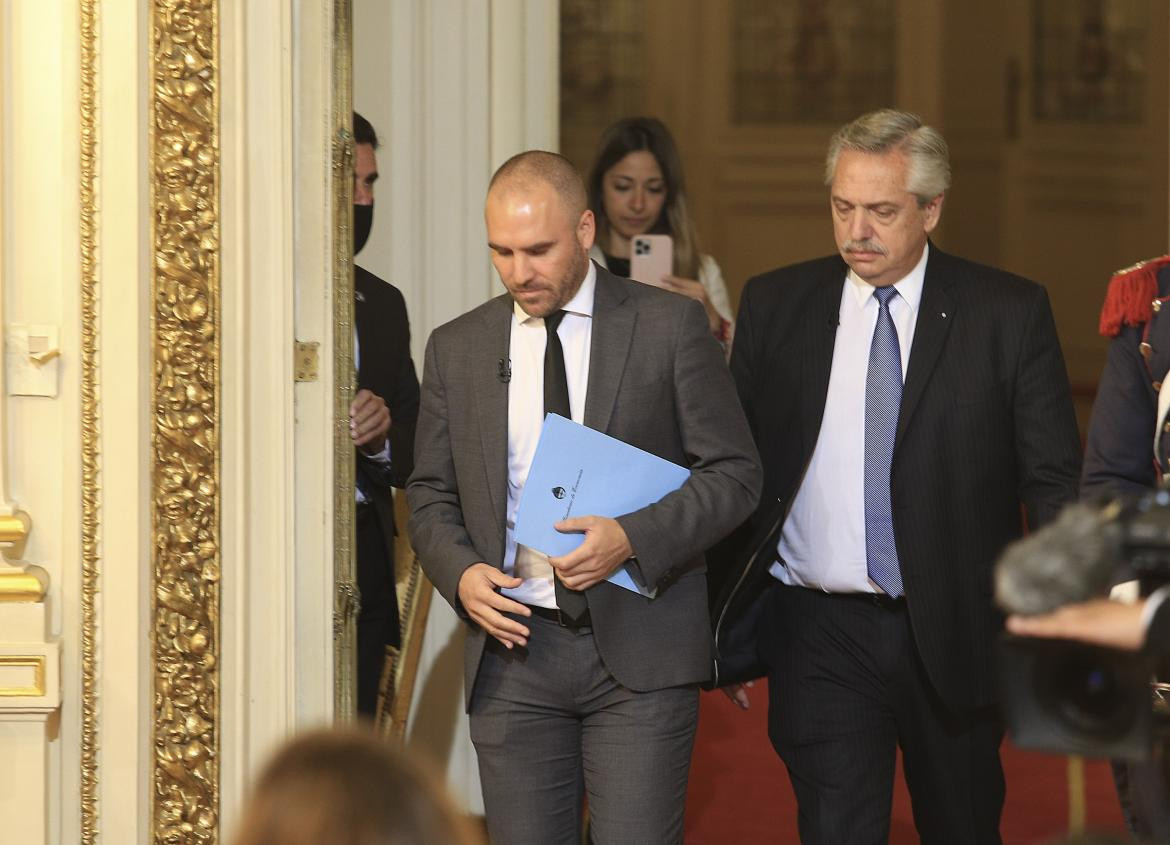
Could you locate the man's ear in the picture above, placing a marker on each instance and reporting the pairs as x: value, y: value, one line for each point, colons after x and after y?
x: 933, y: 211
x: 586, y: 230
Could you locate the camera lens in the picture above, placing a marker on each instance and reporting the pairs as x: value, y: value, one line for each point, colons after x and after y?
x: 1085, y: 694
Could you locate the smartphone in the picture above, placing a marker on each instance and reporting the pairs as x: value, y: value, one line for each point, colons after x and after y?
x: 651, y: 258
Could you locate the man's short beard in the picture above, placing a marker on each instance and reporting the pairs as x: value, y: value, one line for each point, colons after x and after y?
x: 573, y: 279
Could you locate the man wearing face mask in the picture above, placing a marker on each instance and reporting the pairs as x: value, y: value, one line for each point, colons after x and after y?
x: 381, y: 423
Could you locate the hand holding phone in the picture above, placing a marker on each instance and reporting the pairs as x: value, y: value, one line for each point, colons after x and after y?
x: 651, y: 258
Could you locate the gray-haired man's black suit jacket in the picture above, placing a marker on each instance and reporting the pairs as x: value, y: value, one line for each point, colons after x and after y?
x: 657, y: 380
x: 986, y: 424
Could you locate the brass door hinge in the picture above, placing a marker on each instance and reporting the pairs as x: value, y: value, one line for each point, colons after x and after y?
x: 305, y: 360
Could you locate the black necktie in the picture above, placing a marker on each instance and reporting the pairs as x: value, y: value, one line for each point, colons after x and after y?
x: 556, y: 401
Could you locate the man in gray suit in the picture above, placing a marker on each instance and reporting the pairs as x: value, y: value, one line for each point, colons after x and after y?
x: 576, y: 686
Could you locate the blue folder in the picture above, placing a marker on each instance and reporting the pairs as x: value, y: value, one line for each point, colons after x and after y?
x: 578, y: 471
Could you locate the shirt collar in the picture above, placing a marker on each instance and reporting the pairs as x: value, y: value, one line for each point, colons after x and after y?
x: 909, y: 286
x: 581, y: 303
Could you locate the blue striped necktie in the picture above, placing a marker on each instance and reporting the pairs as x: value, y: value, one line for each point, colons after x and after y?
x: 883, y: 397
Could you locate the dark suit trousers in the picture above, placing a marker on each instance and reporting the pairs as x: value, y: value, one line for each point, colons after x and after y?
x: 550, y: 725
x: 846, y: 688
x: 377, y: 625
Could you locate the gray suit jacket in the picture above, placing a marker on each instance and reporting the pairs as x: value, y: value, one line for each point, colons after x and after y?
x: 657, y: 380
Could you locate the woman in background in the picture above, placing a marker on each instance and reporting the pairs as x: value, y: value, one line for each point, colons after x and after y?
x: 348, y: 787
x: 636, y: 187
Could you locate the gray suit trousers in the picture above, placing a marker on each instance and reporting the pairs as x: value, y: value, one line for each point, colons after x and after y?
x: 545, y: 716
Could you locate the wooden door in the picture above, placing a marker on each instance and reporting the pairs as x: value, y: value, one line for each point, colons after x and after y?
x: 1085, y: 185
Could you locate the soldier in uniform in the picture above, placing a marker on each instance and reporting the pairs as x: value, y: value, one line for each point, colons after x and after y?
x: 1127, y: 452
x: 1119, y: 460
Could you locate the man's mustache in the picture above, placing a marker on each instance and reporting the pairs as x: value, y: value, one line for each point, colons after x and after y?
x: 864, y: 246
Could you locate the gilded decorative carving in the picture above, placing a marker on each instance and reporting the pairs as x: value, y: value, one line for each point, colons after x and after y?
x: 184, y: 157
x: 346, y: 597
x: 14, y: 531
x: 19, y: 585
x: 396, y: 691
x: 27, y: 668
x: 90, y: 513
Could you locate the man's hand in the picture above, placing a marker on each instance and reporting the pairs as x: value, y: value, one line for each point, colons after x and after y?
x: 739, y: 694
x: 1103, y: 622
x: 606, y: 547
x: 478, y: 593
x: 369, y: 422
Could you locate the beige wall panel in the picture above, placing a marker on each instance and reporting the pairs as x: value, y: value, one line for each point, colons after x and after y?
x: 41, y: 254
x: 268, y: 651
x: 123, y: 381
x: 972, y: 87
x: 39, y: 268
x: 972, y: 220
x: 26, y: 817
x: 756, y: 242
x: 1083, y: 198
x: 124, y: 268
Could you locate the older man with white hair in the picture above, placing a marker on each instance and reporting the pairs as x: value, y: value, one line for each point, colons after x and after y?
x: 905, y: 403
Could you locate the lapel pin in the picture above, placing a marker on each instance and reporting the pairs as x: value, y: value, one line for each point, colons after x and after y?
x: 944, y: 315
x: 361, y: 297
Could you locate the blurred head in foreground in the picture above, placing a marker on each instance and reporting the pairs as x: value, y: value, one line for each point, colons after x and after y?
x: 348, y: 787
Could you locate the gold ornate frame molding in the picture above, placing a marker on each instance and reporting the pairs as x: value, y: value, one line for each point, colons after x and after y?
x: 90, y: 431
x: 346, y: 598
x: 184, y: 161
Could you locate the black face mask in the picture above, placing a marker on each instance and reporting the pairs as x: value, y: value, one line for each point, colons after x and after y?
x: 363, y: 220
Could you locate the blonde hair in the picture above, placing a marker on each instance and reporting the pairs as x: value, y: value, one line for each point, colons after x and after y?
x: 348, y: 787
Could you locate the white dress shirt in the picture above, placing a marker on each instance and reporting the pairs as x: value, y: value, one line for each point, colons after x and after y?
x: 526, y: 416
x: 823, y: 539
